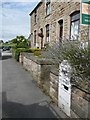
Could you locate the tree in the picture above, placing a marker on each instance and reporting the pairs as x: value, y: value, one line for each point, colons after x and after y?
x: 20, y: 41
x: 14, y: 40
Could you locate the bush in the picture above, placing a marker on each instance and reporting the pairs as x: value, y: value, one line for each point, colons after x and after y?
x: 17, y: 51
x: 22, y: 45
x: 35, y: 49
x: 78, y: 57
x: 37, y: 53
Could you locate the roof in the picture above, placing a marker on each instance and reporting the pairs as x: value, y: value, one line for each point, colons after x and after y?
x: 36, y: 7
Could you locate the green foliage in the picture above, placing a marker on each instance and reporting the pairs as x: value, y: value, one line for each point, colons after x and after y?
x: 46, y: 45
x: 17, y: 51
x: 14, y: 41
x: 37, y: 53
x: 20, y: 41
x: 22, y: 45
x: 8, y: 44
x: 35, y: 49
x: 79, y: 59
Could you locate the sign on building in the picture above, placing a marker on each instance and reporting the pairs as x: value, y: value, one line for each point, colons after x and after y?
x: 85, y: 12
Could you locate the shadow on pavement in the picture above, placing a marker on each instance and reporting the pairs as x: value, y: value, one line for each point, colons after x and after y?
x: 18, y: 110
x: 5, y: 57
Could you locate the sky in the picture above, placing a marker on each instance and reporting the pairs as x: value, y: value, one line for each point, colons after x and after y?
x: 14, y: 18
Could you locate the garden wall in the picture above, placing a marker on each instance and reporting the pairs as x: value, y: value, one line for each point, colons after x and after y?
x: 54, y: 77
x: 80, y: 100
x: 47, y: 77
x: 39, y: 68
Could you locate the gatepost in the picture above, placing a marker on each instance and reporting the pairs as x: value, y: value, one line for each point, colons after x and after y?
x: 64, y: 89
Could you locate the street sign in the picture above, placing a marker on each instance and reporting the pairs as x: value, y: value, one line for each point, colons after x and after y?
x: 85, y: 12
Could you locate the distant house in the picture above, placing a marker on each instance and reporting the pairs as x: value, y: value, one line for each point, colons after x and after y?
x: 29, y: 39
x: 54, y: 21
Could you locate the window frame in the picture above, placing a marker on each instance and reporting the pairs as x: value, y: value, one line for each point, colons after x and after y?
x: 47, y: 32
x: 48, y: 7
x: 35, y: 16
x: 41, y: 38
x: 73, y: 21
x: 61, y: 29
x: 35, y: 32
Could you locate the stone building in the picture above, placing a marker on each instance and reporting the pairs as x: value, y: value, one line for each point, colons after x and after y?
x: 53, y: 21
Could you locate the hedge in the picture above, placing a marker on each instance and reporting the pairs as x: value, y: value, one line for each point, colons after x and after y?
x: 17, y: 51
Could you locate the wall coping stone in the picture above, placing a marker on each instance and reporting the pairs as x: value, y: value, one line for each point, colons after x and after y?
x: 41, y: 61
x: 55, y: 71
x: 86, y: 95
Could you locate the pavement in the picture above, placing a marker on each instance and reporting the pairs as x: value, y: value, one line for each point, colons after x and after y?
x: 20, y: 96
x: 0, y: 89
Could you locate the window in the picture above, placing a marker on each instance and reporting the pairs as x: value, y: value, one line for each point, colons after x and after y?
x: 41, y: 38
x: 60, y: 30
x: 47, y: 33
x: 35, y: 16
x: 35, y: 38
x: 48, y: 7
x: 75, y: 25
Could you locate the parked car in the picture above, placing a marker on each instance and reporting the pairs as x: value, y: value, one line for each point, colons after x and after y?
x: 6, y: 48
x: 1, y: 47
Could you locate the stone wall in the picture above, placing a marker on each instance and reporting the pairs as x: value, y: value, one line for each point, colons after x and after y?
x: 59, y: 11
x: 33, y: 67
x: 21, y: 58
x: 54, y: 77
x: 62, y: 11
x: 39, y: 69
x: 47, y: 77
x: 80, y: 102
x: 42, y: 21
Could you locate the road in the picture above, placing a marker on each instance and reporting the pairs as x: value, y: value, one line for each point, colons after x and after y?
x: 21, y: 98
